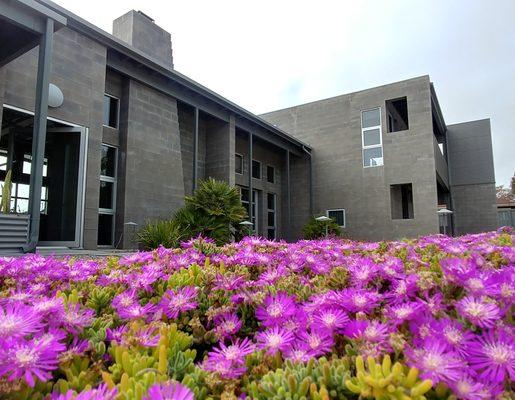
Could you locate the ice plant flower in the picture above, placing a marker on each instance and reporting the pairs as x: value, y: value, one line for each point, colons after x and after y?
x: 276, y: 309
x: 176, y: 301
x: 275, y: 339
x: 479, y: 312
x: 169, y: 391
x: 18, y: 320
x: 331, y: 319
x: 235, y: 352
x: 435, y: 362
x: 492, y: 356
x: 227, y: 325
x: 316, y: 341
x: 29, y: 359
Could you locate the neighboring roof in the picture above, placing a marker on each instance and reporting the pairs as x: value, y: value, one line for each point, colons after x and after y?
x: 79, y: 24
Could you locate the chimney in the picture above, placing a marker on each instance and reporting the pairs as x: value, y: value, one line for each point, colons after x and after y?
x: 141, y: 32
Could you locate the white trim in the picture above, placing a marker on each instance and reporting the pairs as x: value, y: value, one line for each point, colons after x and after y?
x: 374, y: 146
x: 344, y: 215
x: 242, y: 164
x: 114, y: 180
x: 61, y: 121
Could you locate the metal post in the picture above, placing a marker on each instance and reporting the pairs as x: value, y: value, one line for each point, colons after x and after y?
x: 288, y: 191
x: 251, y: 195
x: 195, y: 148
x: 39, y: 133
x: 310, y: 184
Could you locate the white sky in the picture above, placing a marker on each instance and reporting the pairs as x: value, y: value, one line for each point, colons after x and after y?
x: 265, y: 55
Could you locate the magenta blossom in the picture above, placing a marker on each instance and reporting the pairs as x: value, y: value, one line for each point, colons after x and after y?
x: 18, y: 320
x: 478, y: 311
x: 331, y: 319
x: 169, y: 391
x: 275, y: 339
x: 316, y: 341
x: 227, y: 325
x: 176, y: 301
x: 276, y: 309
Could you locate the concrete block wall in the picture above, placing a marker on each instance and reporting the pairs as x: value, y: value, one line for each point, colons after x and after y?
x: 153, y: 181
x: 220, y: 148
x: 299, y: 198
x: 472, y: 177
x: 78, y: 69
x: 333, y: 128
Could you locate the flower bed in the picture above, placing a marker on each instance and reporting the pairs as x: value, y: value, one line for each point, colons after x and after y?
x: 426, y: 318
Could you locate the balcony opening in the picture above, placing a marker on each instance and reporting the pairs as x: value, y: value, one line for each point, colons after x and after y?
x: 397, y: 114
x: 401, y: 198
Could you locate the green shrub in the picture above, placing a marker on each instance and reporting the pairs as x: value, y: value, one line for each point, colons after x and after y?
x: 160, y: 232
x: 317, y: 229
x: 214, y: 211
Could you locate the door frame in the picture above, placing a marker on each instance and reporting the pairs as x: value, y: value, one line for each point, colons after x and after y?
x: 81, y: 182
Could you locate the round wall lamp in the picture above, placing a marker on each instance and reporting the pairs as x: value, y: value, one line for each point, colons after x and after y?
x: 55, y: 96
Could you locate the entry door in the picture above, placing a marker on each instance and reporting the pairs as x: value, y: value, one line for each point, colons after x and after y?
x: 62, y: 202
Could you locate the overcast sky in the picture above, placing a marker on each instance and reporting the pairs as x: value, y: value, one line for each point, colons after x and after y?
x: 265, y: 55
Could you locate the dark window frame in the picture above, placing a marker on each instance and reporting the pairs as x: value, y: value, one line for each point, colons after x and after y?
x: 343, y: 215
x: 117, y: 112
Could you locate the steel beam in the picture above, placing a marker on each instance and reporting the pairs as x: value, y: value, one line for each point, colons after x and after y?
x: 251, y: 196
x: 195, y: 147
x: 39, y: 133
x: 288, y: 192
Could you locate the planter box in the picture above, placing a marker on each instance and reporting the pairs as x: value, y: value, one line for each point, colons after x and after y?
x: 14, y: 232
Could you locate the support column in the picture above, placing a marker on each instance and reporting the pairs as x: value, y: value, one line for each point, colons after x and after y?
x: 310, y: 184
x: 251, y: 196
x: 288, y: 192
x: 195, y: 149
x: 39, y: 133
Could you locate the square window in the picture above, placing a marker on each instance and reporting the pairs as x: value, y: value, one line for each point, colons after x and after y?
x: 397, y: 113
x: 256, y: 169
x: 371, y: 137
x: 373, y: 157
x: 338, y: 216
x: 270, y: 174
x: 105, y: 229
x: 111, y: 111
x: 401, y: 200
x: 238, y: 164
x: 108, y: 161
x: 106, y: 195
x: 371, y: 118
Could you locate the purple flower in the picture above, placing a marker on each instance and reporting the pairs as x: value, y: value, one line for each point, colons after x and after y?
x: 169, y: 391
x: 492, y: 356
x: 102, y: 392
x: 298, y: 353
x: 452, y: 333
x: 276, y: 309
x: 18, y: 320
x: 137, y: 311
x: 227, y: 325
x: 76, y: 319
x: 275, y: 339
x: 29, y: 359
x: 330, y: 318
x: 435, y: 362
x: 316, y: 341
x: 467, y: 388
x: 235, y: 352
x: 358, y: 300
x: 403, y: 312
x: 372, y: 331
x: 176, y: 301
x: 478, y: 312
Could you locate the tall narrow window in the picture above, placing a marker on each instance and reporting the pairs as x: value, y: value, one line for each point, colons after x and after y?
x: 256, y: 169
x: 372, y: 138
x: 111, y: 107
x: 245, y: 202
x: 271, y: 200
x: 238, y: 164
x: 401, y: 199
x: 270, y: 174
x: 107, y: 200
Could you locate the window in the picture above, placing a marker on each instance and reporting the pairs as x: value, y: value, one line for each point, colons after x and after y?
x: 270, y: 174
x: 256, y: 169
x: 107, y: 199
x: 372, y: 138
x: 338, y: 216
x: 271, y: 218
x: 244, y: 195
x: 111, y: 111
x: 397, y: 114
x: 401, y: 199
x: 238, y: 164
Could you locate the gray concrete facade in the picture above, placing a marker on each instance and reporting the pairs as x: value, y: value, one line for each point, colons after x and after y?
x: 315, y: 149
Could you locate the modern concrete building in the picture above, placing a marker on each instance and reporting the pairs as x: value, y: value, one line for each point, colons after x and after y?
x: 101, y: 133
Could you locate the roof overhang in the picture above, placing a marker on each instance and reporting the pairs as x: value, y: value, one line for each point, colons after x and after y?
x: 437, y: 111
x: 22, y: 22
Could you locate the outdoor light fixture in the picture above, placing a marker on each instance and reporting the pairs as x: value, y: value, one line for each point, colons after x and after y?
x: 443, y: 215
x: 55, y: 96
x: 323, y: 218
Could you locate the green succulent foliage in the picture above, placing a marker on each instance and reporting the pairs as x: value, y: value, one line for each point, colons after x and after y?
x: 79, y: 375
x: 166, y: 232
x: 100, y: 299
x: 386, y: 382
x: 316, y: 379
x: 196, y: 381
x: 37, y: 392
x: 96, y: 334
x: 316, y: 229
